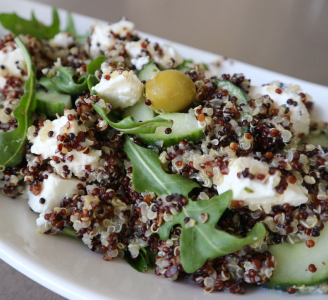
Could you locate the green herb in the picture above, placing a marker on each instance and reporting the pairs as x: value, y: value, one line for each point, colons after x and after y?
x: 144, y: 261
x: 92, y: 81
x: 64, y: 79
x: 148, y: 174
x: 64, y: 82
x: 199, y: 240
x: 70, y: 25
x: 12, y: 143
x: 95, y: 64
x: 248, y: 190
x: 17, y: 25
x: 129, y: 126
x: 70, y: 231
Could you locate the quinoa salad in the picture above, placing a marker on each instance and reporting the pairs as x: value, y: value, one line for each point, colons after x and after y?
x: 144, y: 155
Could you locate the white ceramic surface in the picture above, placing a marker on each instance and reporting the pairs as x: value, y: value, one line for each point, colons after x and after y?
x: 68, y: 267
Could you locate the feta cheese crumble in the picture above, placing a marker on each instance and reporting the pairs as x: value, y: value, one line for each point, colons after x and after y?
x: 289, y: 96
x: 120, y: 89
x: 47, y: 146
x: 103, y: 36
x: 54, y: 190
x: 12, y: 62
x: 62, y: 39
x: 259, y: 194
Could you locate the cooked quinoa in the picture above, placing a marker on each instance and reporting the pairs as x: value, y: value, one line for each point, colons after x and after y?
x: 108, y: 215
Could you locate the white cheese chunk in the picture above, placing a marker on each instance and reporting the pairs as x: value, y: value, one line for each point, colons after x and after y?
x: 137, y: 54
x: 47, y: 147
x: 167, y: 58
x: 12, y: 62
x: 3, y: 82
x: 121, y: 90
x: 54, y: 190
x: 259, y: 194
x: 299, y: 115
x: 62, y: 39
x: 103, y: 35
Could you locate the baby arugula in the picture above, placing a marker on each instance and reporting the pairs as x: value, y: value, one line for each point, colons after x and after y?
x: 11, y: 143
x: 200, y: 240
x: 129, y: 126
x: 18, y: 25
x: 64, y: 82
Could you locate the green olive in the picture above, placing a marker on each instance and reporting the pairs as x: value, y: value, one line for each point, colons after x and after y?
x: 170, y: 91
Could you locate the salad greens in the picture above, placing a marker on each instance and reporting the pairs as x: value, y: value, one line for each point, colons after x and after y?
x: 64, y: 82
x: 144, y: 261
x: 148, y: 174
x: 18, y: 25
x: 64, y: 79
x: 129, y: 126
x: 200, y: 240
x: 70, y: 25
x: 95, y: 64
x: 12, y: 143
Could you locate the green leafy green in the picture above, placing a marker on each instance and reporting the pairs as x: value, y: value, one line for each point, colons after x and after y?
x: 18, y: 25
x: 129, y: 126
x: 11, y: 143
x: 92, y: 81
x: 70, y: 25
x: 148, y: 174
x: 144, y: 261
x: 70, y: 231
x: 64, y: 82
x: 199, y: 240
x: 95, y: 64
x: 202, y: 241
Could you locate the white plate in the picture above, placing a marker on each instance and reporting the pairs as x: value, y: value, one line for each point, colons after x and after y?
x: 69, y: 268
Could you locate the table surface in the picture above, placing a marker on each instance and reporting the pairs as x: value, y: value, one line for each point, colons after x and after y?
x: 287, y: 36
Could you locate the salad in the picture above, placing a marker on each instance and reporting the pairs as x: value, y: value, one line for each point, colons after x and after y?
x: 146, y: 156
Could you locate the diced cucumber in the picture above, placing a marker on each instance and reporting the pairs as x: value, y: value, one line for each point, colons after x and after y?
x: 148, y: 71
x: 234, y: 91
x: 293, y: 263
x: 185, y: 126
x: 316, y: 139
x: 51, y: 102
x: 140, y: 111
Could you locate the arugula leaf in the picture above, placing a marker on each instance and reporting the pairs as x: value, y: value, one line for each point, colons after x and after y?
x: 64, y: 82
x: 148, y: 174
x: 17, y: 25
x: 11, y: 143
x: 92, y: 81
x: 70, y: 25
x: 144, y: 261
x: 203, y: 241
x: 95, y: 64
x: 129, y: 126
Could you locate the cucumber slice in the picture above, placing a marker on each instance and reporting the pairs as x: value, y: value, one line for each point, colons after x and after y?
x: 51, y: 102
x: 140, y: 111
x: 185, y: 126
x: 233, y: 91
x: 148, y: 71
x: 294, y: 260
x: 316, y: 138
